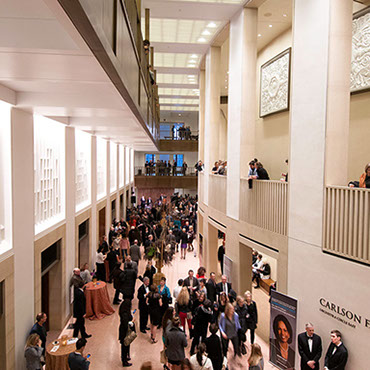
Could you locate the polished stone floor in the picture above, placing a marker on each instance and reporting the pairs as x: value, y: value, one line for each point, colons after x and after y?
x: 105, y: 348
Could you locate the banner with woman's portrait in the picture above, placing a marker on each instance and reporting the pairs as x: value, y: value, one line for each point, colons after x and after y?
x: 283, y: 330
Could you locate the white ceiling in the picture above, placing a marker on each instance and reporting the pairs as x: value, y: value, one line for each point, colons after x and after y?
x: 46, y: 62
x: 180, y: 29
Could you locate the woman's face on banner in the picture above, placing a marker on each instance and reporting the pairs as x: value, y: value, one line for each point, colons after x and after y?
x: 283, y: 332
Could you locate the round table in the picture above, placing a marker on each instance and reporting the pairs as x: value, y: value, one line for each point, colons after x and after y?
x: 58, y: 360
x: 97, y: 300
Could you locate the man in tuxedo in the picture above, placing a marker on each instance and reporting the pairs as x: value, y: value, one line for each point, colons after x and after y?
x: 192, y: 283
x: 76, y: 360
x: 79, y: 312
x: 337, y: 354
x: 310, y: 348
x: 212, y: 288
x: 142, y: 294
x: 220, y: 255
x: 224, y: 286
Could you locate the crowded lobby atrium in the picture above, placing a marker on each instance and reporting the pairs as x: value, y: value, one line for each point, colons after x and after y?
x: 185, y: 184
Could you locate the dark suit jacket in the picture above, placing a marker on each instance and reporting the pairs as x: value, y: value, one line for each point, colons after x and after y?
x: 195, y: 282
x: 128, y: 280
x: 77, y: 362
x: 219, y: 288
x: 211, y: 290
x: 214, y: 350
x: 304, y: 350
x: 79, y: 303
x: 338, y: 360
x: 141, y: 297
x: 41, y: 331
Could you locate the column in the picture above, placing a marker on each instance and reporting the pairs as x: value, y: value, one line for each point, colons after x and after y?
x: 211, y: 113
x: 70, y: 191
x: 94, y: 216
x: 108, y: 212
x: 23, y: 227
x: 338, y: 95
x: 201, y: 115
x: 242, y: 103
x: 118, y: 205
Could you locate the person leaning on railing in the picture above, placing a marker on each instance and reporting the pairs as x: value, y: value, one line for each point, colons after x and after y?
x: 364, y: 179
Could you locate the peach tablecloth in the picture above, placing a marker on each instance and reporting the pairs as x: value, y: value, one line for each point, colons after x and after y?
x: 97, y: 301
x: 58, y: 360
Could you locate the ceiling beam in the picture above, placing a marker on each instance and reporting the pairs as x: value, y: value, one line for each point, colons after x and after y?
x: 176, y: 70
x: 178, y: 47
x: 179, y: 86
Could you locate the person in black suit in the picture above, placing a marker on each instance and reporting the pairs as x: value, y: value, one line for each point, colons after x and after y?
x: 79, y: 312
x: 212, y: 288
x: 125, y: 320
x: 310, y: 348
x: 76, y: 360
x: 214, y: 348
x: 224, y: 286
x: 192, y: 283
x: 128, y: 280
x: 220, y: 255
x: 142, y: 295
x: 337, y: 354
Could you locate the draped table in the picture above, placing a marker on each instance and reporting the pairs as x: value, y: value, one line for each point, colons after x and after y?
x: 58, y: 360
x: 97, y: 301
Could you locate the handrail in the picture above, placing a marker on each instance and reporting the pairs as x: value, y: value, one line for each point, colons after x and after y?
x: 346, y: 229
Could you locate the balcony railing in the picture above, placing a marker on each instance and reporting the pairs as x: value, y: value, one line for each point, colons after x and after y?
x: 217, y: 192
x: 200, y: 186
x: 347, y: 222
x: 265, y: 205
x: 164, y: 171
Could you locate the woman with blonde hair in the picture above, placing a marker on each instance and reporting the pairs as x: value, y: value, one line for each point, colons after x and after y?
x: 229, y: 327
x: 252, y: 315
x: 33, y: 352
x: 255, y: 360
x: 183, y: 307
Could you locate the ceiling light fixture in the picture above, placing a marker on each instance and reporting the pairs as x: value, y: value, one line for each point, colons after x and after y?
x: 270, y: 25
x: 284, y: 15
x: 194, y: 56
x: 212, y: 25
x: 206, y: 33
x: 259, y: 35
x: 202, y: 39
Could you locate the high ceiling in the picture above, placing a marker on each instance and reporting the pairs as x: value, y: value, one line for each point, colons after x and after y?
x: 181, y: 31
x: 45, y: 61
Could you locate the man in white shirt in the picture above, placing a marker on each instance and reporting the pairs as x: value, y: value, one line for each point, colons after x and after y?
x: 257, y: 266
x: 142, y: 295
x: 310, y: 348
x: 177, y: 289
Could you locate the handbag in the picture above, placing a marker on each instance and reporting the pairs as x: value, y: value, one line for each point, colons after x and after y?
x: 130, y: 337
x: 189, y: 316
x: 163, y: 357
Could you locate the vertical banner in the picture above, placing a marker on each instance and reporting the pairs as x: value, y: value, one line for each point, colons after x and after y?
x: 283, y: 330
x: 228, y: 265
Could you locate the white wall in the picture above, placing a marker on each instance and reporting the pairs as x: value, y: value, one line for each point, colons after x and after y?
x: 189, y: 118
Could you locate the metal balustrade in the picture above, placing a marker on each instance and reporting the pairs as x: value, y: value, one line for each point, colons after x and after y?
x: 265, y: 205
x: 346, y: 229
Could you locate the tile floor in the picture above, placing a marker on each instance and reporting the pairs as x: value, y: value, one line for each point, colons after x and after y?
x: 105, y: 348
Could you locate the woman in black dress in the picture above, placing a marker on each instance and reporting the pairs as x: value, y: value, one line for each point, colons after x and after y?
x: 125, y: 317
x: 154, y: 301
x: 252, y: 316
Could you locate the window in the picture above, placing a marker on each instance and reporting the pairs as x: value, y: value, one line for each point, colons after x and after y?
x: 149, y: 157
x: 101, y: 165
x: 179, y: 158
x: 170, y: 130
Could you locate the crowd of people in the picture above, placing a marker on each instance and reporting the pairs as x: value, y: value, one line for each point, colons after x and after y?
x: 165, y: 168
x: 201, y: 313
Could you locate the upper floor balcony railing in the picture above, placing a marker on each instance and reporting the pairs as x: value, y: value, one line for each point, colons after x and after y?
x: 217, y: 192
x: 265, y: 205
x: 347, y: 222
x: 164, y: 171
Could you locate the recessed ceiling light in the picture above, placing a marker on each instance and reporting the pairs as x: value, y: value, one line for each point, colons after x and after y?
x: 202, y: 39
x: 270, y: 25
x: 194, y: 56
x: 259, y: 35
x: 191, y: 65
x: 212, y: 25
x: 179, y: 114
x: 227, y: 72
x: 206, y: 33
x: 284, y: 15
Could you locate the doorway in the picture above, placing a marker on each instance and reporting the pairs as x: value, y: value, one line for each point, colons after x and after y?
x: 2, y: 324
x: 113, y: 211
x: 83, y: 243
x: 101, y: 224
x: 121, y: 205
x: 51, y: 285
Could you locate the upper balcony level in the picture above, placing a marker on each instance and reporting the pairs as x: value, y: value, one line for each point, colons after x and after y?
x: 178, y: 137
x: 112, y: 31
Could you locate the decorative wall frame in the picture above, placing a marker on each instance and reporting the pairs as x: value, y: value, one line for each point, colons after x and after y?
x: 275, y: 84
x: 360, y: 61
